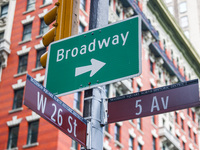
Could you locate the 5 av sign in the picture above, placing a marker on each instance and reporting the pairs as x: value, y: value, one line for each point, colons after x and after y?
x: 97, y: 57
x: 155, y: 101
x: 48, y: 106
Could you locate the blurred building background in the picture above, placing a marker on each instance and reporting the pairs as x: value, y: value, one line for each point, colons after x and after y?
x: 187, y: 15
x: 169, y: 55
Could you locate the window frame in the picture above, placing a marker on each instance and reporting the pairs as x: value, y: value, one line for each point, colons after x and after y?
x: 33, y: 127
x: 23, y: 62
x: 30, y: 5
x: 3, y: 14
x: 27, y: 31
x: 39, y: 54
x: 182, y: 8
x: 131, y: 143
x: 77, y: 100
x: 10, y: 142
x: 43, y: 27
x: 117, y: 132
x: 83, y: 4
x: 18, y: 101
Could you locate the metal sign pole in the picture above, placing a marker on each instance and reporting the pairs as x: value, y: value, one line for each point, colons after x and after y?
x: 95, y: 106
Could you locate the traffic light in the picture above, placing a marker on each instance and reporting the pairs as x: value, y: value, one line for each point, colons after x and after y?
x: 62, y: 14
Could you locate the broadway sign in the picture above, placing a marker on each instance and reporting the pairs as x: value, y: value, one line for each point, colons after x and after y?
x: 155, y: 101
x: 94, y: 58
x: 55, y: 111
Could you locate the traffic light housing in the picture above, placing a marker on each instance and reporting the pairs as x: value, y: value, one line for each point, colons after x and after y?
x: 62, y: 14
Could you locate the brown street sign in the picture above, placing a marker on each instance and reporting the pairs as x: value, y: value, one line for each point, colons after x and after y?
x: 55, y: 111
x: 155, y: 101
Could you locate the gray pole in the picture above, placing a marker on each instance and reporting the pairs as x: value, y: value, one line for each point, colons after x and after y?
x: 95, y: 104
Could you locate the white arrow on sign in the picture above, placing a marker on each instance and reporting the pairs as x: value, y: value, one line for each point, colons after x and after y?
x: 96, y: 66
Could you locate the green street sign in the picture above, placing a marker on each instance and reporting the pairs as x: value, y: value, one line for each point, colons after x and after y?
x: 94, y: 58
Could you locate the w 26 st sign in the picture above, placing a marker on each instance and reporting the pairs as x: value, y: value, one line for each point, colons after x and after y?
x: 55, y: 111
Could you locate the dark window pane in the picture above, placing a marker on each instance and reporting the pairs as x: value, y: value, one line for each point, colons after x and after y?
x: 13, y: 137
x: 39, y: 54
x: 47, y: 1
x: 117, y: 132
x: 82, y: 2
x: 77, y: 99
x: 27, y: 32
x: 4, y: 10
x: 33, y: 132
x: 18, y: 97
x: 43, y: 27
x: 1, y: 35
x: 22, y: 63
x: 74, y: 145
x: 30, y: 5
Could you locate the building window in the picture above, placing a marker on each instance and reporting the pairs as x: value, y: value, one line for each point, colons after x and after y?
x: 39, y: 54
x: 118, y: 13
x: 153, y: 120
x: 168, y: 1
x: 188, y: 112
x: 172, y: 55
x: 30, y: 5
x: 74, y: 145
x: 106, y: 128
x: 193, y: 116
x: 138, y: 88
x: 77, y: 99
x: 171, y: 10
x: 184, y: 148
x: 27, y: 32
x: 81, y: 28
x: 139, y: 147
x: 82, y: 3
x: 139, y: 124
x: 43, y: 27
x: 177, y: 63
x: 184, y: 71
x: 182, y: 7
x: 18, y: 97
x: 176, y: 117
x: 47, y: 1
x: 164, y: 45
x: 151, y: 66
x: 22, y: 63
x: 184, y: 21
x: 182, y: 123
x: 117, y: 132
x: 130, y: 144
x: 107, y: 90
x: 189, y: 132
x: 1, y: 35
x: 13, y: 137
x: 195, y: 138
x: 187, y: 34
x: 163, y: 147
x: 4, y: 10
x: 32, y: 132
x: 154, y: 143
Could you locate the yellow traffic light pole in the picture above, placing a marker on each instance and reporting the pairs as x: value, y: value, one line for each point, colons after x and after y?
x: 63, y: 12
